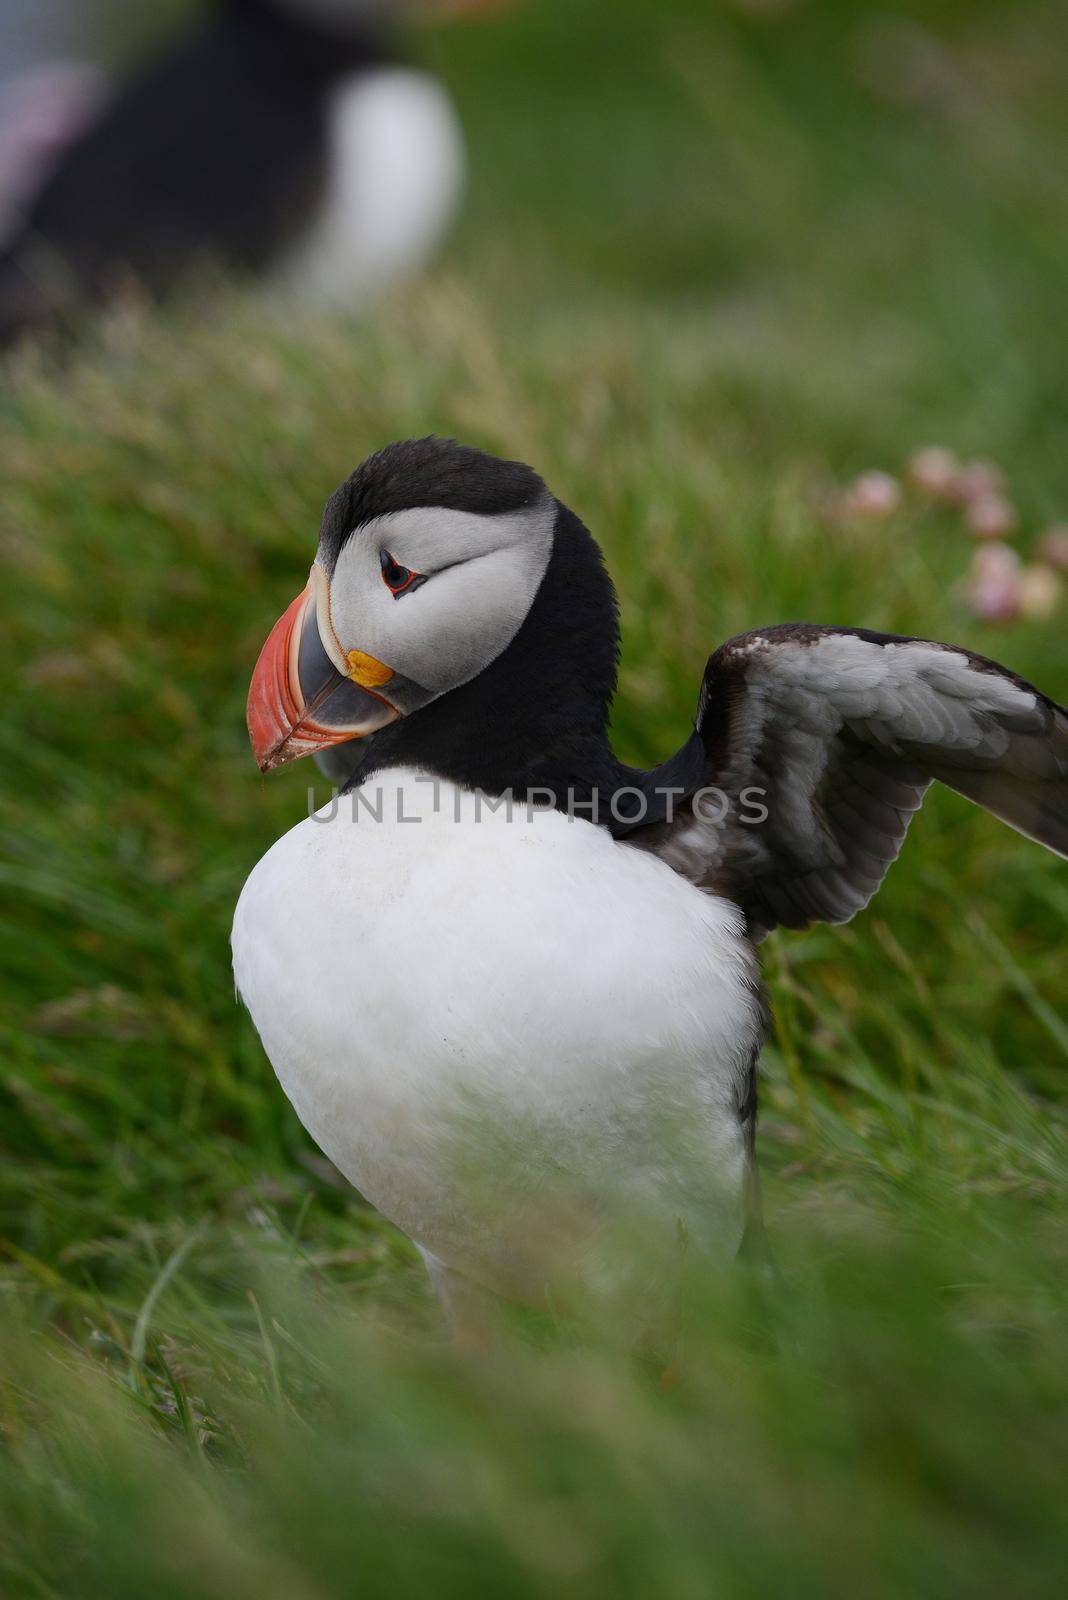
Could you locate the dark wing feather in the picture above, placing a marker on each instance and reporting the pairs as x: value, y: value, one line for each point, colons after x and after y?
x: 837, y: 734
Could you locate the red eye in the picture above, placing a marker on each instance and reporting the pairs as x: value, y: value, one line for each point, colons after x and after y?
x: 397, y: 579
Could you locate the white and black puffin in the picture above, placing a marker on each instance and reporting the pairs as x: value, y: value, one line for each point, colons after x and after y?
x: 589, y: 988
x: 285, y: 138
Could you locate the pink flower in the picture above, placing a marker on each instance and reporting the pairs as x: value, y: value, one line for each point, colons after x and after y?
x: 874, y: 495
x: 979, y: 480
x: 991, y: 516
x: 934, y: 471
x: 937, y: 473
x: 994, y: 591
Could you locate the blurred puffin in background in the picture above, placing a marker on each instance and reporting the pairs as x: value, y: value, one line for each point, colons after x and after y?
x: 289, y: 139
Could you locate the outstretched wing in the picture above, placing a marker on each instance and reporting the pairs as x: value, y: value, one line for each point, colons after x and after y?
x: 821, y: 742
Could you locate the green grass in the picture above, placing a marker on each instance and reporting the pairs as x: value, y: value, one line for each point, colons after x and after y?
x: 711, y: 261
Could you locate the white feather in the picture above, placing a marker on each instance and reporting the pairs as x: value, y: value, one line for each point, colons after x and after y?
x: 517, y: 987
x: 395, y: 173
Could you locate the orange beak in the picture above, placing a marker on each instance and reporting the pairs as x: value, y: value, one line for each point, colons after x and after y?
x: 299, y: 701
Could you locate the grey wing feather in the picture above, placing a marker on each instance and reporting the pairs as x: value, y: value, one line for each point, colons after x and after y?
x: 841, y: 732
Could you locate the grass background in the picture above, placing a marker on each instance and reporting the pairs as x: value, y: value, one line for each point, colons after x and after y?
x: 714, y: 256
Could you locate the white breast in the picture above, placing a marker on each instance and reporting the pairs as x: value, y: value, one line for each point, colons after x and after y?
x: 475, y: 1013
x: 395, y: 171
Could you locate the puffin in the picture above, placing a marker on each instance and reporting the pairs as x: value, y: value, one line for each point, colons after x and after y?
x: 510, y: 984
x: 286, y: 139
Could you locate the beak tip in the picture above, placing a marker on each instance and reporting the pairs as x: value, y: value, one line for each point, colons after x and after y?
x: 267, y: 756
x: 285, y: 748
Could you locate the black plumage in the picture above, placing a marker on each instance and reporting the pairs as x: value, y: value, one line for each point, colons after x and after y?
x: 217, y: 149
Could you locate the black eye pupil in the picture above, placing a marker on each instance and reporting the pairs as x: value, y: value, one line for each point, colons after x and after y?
x: 395, y: 575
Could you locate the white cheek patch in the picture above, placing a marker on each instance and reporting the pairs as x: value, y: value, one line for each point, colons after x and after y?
x: 482, y: 575
x: 431, y: 538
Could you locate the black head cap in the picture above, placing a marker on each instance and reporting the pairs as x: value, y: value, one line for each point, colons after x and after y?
x: 325, y: 40
x: 426, y: 472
